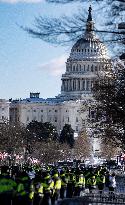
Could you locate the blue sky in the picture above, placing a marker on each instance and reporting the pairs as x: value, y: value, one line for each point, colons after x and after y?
x: 28, y: 64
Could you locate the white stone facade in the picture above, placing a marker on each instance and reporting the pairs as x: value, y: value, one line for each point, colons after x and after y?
x: 59, y: 114
x: 4, y: 110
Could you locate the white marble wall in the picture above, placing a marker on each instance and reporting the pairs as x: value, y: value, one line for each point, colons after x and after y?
x: 4, y: 110
x: 67, y: 112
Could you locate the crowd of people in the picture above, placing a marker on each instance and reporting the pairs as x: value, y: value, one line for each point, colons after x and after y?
x: 38, y: 185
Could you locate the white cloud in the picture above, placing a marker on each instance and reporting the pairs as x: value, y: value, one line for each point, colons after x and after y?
x: 54, y: 67
x: 23, y: 1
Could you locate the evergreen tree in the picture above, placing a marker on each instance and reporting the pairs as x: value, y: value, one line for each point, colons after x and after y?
x: 42, y: 131
x: 67, y: 135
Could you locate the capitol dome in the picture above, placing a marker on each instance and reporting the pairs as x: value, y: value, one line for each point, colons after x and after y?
x: 87, y: 58
x: 89, y: 46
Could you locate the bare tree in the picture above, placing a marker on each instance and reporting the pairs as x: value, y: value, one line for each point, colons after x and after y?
x: 82, y: 147
x: 50, y: 151
x: 12, y: 137
x: 108, y: 148
x: 65, y: 29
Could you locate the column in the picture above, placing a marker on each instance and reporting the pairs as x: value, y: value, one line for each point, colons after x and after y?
x: 72, y: 84
x: 68, y: 84
x: 85, y: 83
x: 81, y: 86
x: 62, y: 86
x: 65, y: 84
x: 76, y: 84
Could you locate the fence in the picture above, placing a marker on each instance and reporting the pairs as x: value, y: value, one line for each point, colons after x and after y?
x: 96, y: 199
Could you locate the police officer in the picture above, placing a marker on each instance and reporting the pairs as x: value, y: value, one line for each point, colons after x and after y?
x: 56, y: 188
x: 7, y: 187
x: 25, y: 190
x: 71, y: 184
x: 80, y: 184
x: 64, y: 181
x: 91, y: 183
x: 38, y: 189
x: 47, y: 189
x: 100, y: 181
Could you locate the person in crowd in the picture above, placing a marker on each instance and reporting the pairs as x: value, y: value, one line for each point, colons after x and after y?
x: 91, y: 183
x: 64, y: 181
x: 7, y: 187
x: 56, y: 188
x: 25, y: 189
x: 112, y: 183
x: 38, y: 189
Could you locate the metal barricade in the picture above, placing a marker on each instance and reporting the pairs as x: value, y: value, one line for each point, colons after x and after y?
x: 99, y: 199
x: 96, y: 199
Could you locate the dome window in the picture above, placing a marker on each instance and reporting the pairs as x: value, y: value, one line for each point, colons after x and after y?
x: 82, y: 50
x: 85, y: 50
x: 77, y: 50
x: 94, y: 50
x: 88, y: 50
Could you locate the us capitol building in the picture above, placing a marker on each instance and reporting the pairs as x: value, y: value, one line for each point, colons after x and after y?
x: 88, y: 56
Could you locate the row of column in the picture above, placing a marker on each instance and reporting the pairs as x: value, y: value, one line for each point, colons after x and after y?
x: 76, y: 84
